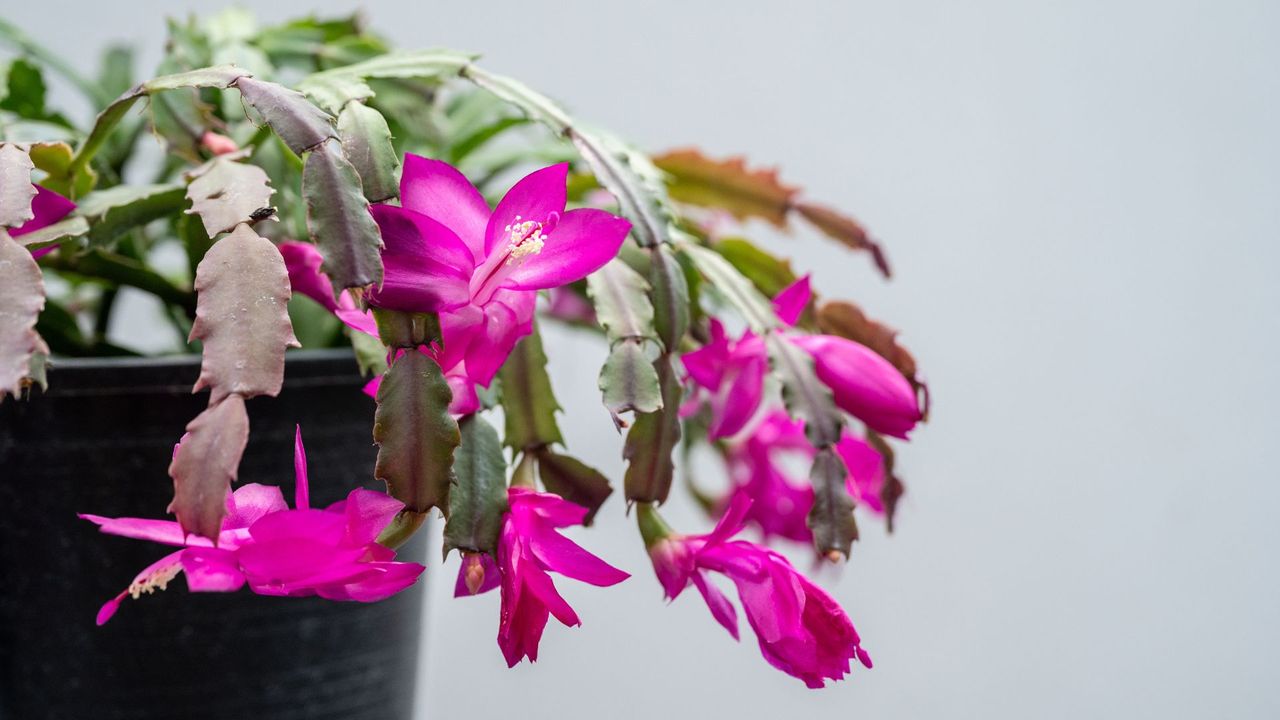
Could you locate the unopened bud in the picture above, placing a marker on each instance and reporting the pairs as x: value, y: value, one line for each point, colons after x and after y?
x: 834, y: 556
x: 218, y: 144
x: 474, y: 573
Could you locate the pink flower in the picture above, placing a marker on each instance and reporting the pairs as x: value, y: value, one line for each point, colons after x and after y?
x: 48, y: 207
x: 528, y: 549
x: 731, y: 376
x: 801, y: 629
x: 865, y: 385
x: 780, y: 492
x: 446, y: 252
x: 332, y: 552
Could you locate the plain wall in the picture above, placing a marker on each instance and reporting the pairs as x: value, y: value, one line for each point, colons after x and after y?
x: 1079, y: 199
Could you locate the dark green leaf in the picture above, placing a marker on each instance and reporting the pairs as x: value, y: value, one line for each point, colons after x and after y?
x: 117, y: 210
x: 338, y: 219
x: 629, y: 382
x: 24, y: 91
x: 831, y: 518
x: 529, y: 404
x: 620, y: 296
x: 415, y: 434
x: 461, y: 149
x: 371, y: 354
x: 397, y: 329
x: 366, y: 140
x: 336, y: 87
x: 298, y: 122
x: 652, y: 440
x: 215, y: 77
x: 574, y: 481
x: 478, y: 496
x: 670, y: 295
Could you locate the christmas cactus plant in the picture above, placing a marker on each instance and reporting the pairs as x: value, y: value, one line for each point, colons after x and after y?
x: 431, y: 215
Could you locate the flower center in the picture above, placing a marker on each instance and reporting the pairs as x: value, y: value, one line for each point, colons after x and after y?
x: 524, y: 239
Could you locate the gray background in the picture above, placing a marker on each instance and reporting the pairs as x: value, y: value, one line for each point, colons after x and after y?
x: 1080, y: 201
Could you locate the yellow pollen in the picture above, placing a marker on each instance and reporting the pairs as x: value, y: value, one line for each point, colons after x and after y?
x: 523, y: 239
x: 158, y: 580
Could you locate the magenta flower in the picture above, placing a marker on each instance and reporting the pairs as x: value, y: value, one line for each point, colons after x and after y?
x: 780, y: 492
x: 446, y: 252
x: 528, y: 549
x: 865, y: 385
x: 801, y: 629
x: 730, y: 374
x: 331, y: 553
x: 48, y: 207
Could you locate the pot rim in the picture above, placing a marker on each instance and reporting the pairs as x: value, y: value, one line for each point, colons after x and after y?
x: 176, y: 374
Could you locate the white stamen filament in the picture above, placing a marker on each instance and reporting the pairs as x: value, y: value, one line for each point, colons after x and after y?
x: 157, y: 580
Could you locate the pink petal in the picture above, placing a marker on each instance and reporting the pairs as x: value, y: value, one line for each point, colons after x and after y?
x: 426, y: 267
x: 582, y: 242
x: 492, y: 578
x: 459, y: 328
x: 438, y: 190
x: 317, y: 525
x: 521, y: 627
x: 864, y: 384
x: 866, y: 470
x: 109, y: 608
x: 293, y: 563
x: 303, y: 261
x: 302, y: 493
x: 548, y: 506
x: 721, y: 609
x: 465, y: 400
x: 379, y: 581
x: 165, y: 532
x: 706, y: 365
x: 371, y: 387
x: 539, y: 584
x: 358, y: 320
x: 736, y: 403
x: 732, y: 522
x: 562, y: 555
x: 535, y: 197
x: 211, y: 570
x: 251, y: 502
x: 368, y: 513
x: 497, y: 338
x: 48, y: 207
x: 791, y: 301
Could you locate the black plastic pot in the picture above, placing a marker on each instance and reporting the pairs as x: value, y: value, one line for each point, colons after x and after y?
x: 100, y: 441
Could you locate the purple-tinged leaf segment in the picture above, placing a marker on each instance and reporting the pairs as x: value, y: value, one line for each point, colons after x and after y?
x: 242, y: 317
x: 16, y: 190
x: 206, y: 463
x: 225, y: 193
x: 21, y: 300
